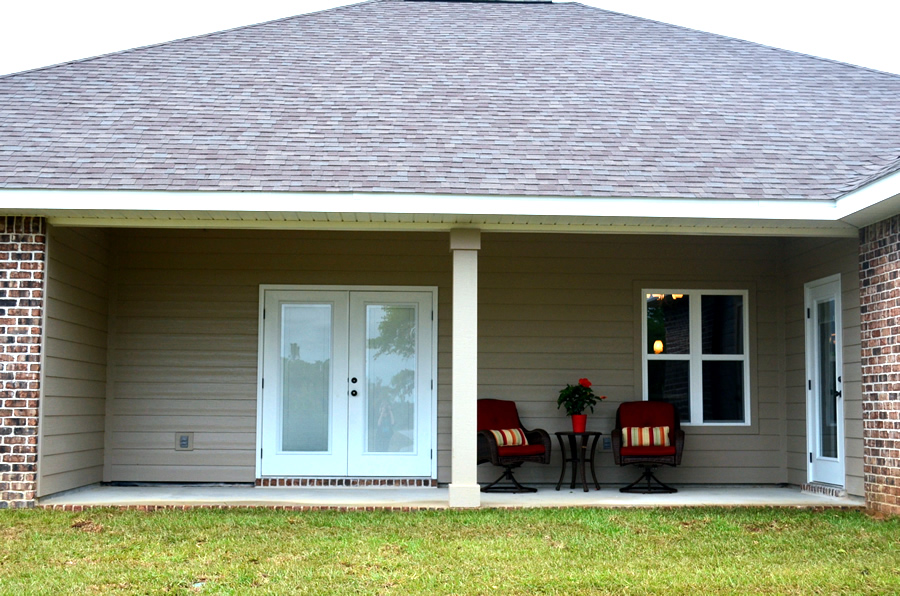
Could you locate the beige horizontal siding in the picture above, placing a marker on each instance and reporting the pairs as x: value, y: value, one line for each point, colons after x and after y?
x: 807, y: 261
x: 553, y: 308
x: 178, y: 472
x: 186, y: 335
x: 72, y: 413
x: 215, y: 441
x: 557, y: 308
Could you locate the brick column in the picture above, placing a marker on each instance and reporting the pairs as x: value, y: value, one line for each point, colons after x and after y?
x: 22, y: 251
x: 879, y: 274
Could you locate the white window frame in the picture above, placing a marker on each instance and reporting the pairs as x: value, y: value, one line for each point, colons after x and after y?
x: 696, y: 356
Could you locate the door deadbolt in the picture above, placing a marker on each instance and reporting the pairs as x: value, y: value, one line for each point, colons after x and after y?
x: 353, y: 380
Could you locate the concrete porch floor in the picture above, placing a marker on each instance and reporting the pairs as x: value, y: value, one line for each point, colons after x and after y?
x: 431, y: 498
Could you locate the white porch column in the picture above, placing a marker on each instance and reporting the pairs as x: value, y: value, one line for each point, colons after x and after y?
x: 464, y: 489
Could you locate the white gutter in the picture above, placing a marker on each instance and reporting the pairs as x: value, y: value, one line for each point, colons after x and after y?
x: 111, y: 201
x: 869, y: 204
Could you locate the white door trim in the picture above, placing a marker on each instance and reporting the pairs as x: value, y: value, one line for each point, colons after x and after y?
x: 263, y: 288
x: 324, y: 460
x: 822, y: 469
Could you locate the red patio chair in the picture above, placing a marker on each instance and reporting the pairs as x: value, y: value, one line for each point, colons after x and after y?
x: 499, y: 434
x: 647, y: 434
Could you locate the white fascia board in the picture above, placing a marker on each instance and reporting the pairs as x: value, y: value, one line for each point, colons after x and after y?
x: 44, y: 202
x: 873, y: 202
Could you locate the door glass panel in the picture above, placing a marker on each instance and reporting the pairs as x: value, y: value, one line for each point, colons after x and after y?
x: 306, y: 376
x: 827, y: 379
x: 391, y: 376
x: 668, y: 324
x: 670, y: 381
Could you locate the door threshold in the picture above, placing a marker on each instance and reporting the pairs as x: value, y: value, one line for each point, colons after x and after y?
x: 357, y: 482
x: 828, y: 490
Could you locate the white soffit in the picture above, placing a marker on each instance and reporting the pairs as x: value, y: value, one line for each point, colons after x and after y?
x: 416, y: 211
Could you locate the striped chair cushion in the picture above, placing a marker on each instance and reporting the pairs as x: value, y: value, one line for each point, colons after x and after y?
x: 510, y: 437
x: 645, y: 436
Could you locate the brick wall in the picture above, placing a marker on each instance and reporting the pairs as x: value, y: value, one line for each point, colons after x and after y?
x: 880, y: 313
x: 22, y: 253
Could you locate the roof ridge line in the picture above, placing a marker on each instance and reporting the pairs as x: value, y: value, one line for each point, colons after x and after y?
x: 491, y: 1
x: 180, y: 39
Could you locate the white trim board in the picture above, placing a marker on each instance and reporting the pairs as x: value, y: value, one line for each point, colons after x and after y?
x: 255, y: 202
x: 871, y: 203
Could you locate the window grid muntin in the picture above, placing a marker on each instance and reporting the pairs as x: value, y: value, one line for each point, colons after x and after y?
x: 696, y: 356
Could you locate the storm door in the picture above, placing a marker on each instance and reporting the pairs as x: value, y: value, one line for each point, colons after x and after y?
x: 825, y: 404
x: 347, y: 383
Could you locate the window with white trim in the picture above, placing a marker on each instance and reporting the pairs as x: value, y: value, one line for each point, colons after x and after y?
x: 695, y: 354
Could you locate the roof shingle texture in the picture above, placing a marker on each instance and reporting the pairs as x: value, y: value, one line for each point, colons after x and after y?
x: 448, y: 97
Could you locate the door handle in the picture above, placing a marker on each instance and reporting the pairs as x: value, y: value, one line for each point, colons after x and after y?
x: 354, y: 393
x: 836, y: 393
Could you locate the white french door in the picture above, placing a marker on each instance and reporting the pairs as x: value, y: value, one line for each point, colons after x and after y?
x: 347, y: 383
x: 825, y: 404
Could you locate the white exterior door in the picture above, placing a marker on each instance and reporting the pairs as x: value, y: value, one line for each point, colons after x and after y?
x: 347, y: 383
x: 825, y: 404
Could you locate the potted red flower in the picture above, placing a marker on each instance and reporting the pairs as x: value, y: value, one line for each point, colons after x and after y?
x: 577, y: 398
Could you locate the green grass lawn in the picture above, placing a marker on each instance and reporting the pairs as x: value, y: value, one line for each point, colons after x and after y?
x: 553, y: 551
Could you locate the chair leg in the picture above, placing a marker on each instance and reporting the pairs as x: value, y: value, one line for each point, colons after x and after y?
x: 514, y: 488
x: 648, y: 478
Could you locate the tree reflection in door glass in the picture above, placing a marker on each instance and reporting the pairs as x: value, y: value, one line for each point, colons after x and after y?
x: 391, y: 378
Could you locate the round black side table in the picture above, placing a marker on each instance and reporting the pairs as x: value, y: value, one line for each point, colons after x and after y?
x: 578, y: 455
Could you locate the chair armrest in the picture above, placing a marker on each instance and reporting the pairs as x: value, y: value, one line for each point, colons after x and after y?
x: 539, y: 436
x: 487, y: 448
x: 616, y: 441
x: 679, y: 446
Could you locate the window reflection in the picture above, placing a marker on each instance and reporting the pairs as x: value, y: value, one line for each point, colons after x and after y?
x: 723, y: 324
x: 670, y: 381
x: 723, y: 391
x: 828, y: 438
x: 668, y: 324
x: 306, y: 377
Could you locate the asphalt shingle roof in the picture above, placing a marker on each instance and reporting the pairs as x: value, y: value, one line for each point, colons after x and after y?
x: 455, y: 97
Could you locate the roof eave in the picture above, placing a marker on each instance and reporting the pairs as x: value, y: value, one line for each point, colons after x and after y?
x: 355, y: 210
x: 869, y: 204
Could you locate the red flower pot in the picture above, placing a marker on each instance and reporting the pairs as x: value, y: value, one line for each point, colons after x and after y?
x: 579, y: 421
